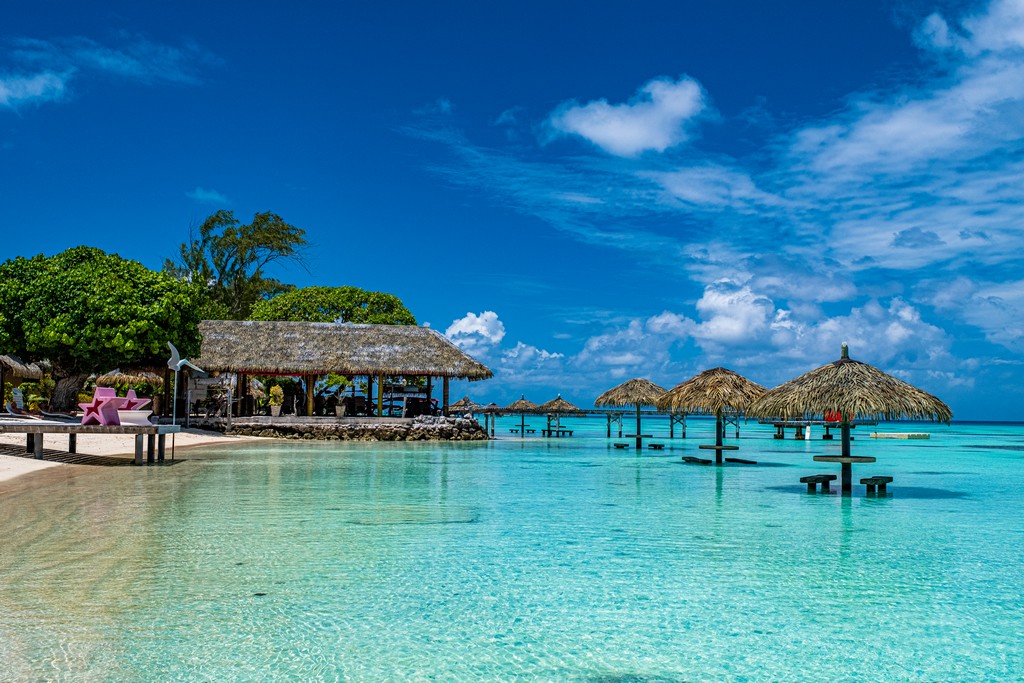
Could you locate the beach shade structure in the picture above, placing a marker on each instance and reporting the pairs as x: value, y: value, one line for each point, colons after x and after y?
x: 712, y: 392
x: 12, y: 367
x: 522, y: 406
x: 634, y: 392
x: 462, y: 406
x: 854, y: 390
x: 116, y: 378
x: 557, y: 406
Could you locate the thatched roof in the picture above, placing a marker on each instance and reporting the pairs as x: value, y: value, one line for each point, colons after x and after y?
x: 492, y: 408
x: 290, y: 348
x: 521, y: 406
x: 557, y: 405
x: 853, y: 388
x: 711, y: 391
x: 464, y: 405
x: 116, y: 378
x: 634, y: 392
x: 16, y: 367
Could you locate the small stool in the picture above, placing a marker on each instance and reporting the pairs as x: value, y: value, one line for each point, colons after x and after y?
x: 621, y: 445
x: 872, y: 482
x: 695, y: 461
x: 812, y: 481
x: 656, y: 446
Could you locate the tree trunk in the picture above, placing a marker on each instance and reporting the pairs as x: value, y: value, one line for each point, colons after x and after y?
x: 65, y: 395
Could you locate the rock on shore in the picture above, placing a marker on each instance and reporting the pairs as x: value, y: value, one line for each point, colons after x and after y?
x: 422, y: 428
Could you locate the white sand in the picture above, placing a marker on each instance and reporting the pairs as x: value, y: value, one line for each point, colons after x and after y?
x: 98, y: 444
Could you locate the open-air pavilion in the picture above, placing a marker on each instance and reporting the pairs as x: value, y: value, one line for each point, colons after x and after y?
x: 311, y: 350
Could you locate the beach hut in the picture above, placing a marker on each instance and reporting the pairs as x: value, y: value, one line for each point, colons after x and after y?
x: 713, y: 392
x: 13, y: 368
x: 854, y: 390
x: 522, y: 406
x: 308, y: 350
x: 634, y: 392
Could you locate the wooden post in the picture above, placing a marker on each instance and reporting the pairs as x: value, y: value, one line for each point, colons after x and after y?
x: 151, y: 449
x: 309, y: 395
x: 639, y: 439
x: 609, y: 416
x: 719, y: 431
x: 138, y: 447
x: 847, y: 469
x: 39, y: 446
x: 380, y: 396
x: 444, y: 397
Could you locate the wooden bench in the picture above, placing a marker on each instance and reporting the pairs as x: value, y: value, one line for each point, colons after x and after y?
x: 696, y: 461
x: 621, y: 445
x: 741, y: 461
x: 513, y: 431
x: 812, y: 481
x: 531, y: 431
x: 872, y: 482
x: 656, y: 446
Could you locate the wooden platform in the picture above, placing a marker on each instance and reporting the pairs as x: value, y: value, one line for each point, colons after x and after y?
x: 35, y: 430
x: 900, y: 435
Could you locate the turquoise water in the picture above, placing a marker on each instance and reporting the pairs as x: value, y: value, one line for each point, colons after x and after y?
x: 560, y: 560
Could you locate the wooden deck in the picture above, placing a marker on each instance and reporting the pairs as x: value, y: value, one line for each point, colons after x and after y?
x: 35, y: 430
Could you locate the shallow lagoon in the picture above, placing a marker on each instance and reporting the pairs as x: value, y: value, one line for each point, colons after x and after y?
x: 524, y: 559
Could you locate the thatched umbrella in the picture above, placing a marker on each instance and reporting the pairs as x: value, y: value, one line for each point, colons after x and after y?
x: 116, y: 378
x: 522, y: 406
x: 557, y: 406
x: 712, y: 391
x: 12, y: 366
x: 855, y: 390
x: 464, y: 405
x: 635, y: 392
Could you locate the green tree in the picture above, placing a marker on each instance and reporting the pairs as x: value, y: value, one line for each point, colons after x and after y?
x: 86, y: 310
x: 330, y: 304
x: 229, y: 259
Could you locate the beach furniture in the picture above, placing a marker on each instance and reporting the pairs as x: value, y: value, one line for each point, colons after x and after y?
x: 872, y: 482
x: 813, y: 480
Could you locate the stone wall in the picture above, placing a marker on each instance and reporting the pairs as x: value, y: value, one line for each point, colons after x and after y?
x: 422, y: 428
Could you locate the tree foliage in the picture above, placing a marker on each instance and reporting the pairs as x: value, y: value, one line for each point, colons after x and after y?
x: 87, y: 310
x: 229, y: 259
x: 330, y: 304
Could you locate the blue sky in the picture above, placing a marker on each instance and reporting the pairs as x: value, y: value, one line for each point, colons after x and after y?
x: 577, y: 193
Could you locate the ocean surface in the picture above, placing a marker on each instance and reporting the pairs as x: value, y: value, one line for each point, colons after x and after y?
x: 525, y: 559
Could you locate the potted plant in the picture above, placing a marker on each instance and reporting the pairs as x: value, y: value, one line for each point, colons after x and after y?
x: 275, y: 400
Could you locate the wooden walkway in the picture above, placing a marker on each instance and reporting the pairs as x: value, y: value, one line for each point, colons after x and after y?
x: 35, y: 430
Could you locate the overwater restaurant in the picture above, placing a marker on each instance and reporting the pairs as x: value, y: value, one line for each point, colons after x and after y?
x: 392, y: 369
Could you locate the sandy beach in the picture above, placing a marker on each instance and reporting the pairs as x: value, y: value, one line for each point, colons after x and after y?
x: 109, y: 445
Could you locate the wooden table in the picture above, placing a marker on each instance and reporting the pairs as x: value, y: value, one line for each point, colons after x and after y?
x: 847, y: 469
x: 718, y: 451
x: 35, y: 430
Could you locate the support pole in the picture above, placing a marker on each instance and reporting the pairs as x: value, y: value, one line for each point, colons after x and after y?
x: 719, y: 429
x: 609, y: 417
x: 380, y: 395
x: 444, y: 397
x: 138, y: 447
x: 309, y: 395
x: 39, y: 446
x: 847, y: 469
x: 639, y: 439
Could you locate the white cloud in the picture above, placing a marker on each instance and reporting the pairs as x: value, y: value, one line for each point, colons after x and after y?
x: 653, y: 120
x: 732, y: 313
x: 41, y: 87
x: 44, y: 68
x: 205, y: 196
x: 476, y: 333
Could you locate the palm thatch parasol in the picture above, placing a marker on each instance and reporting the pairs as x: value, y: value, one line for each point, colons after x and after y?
x: 464, y: 405
x: 116, y: 378
x: 522, y: 406
x: 492, y: 408
x: 854, y: 390
x: 634, y: 392
x: 557, y: 406
x: 712, y: 392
